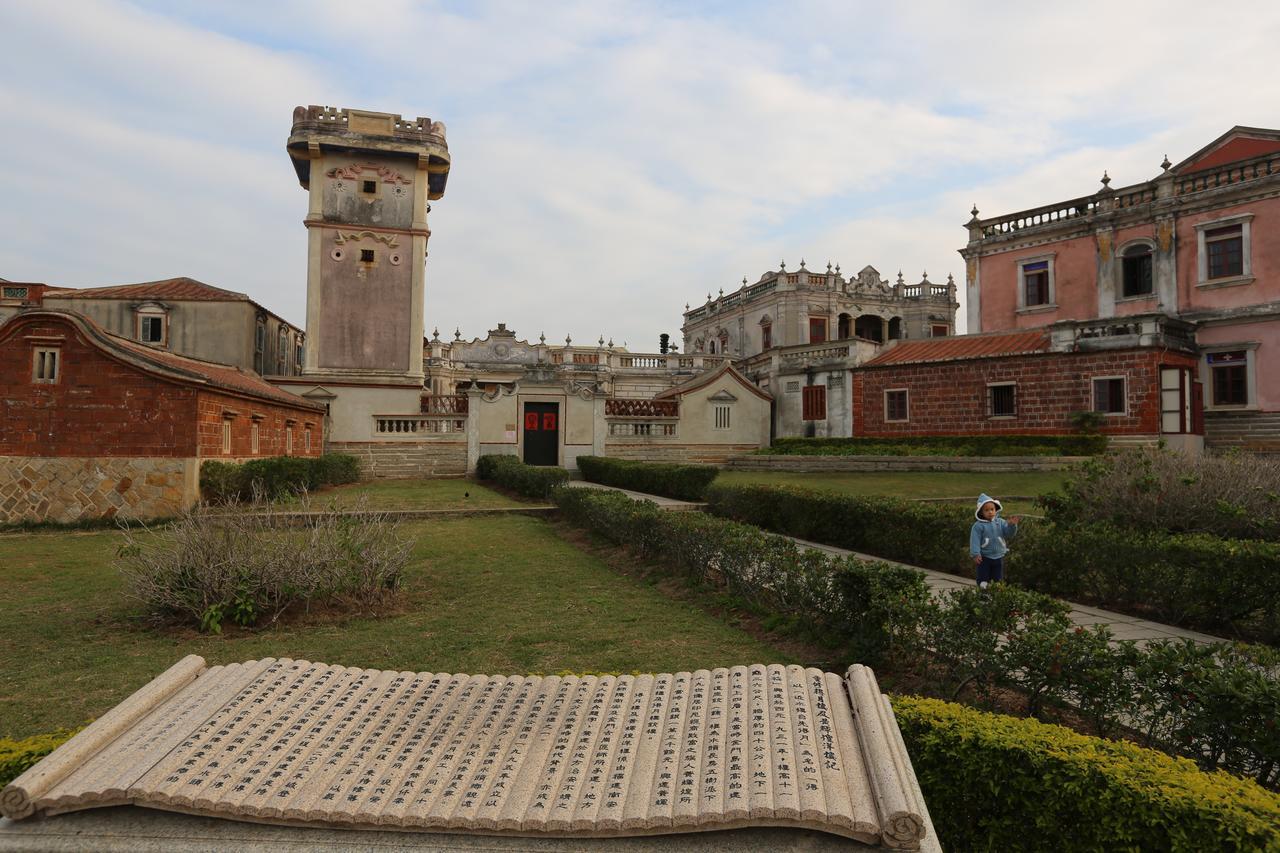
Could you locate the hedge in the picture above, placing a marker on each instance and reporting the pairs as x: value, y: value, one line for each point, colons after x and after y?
x: 275, y: 477
x: 18, y: 755
x: 994, y: 782
x: 1195, y: 580
x: 943, y: 445
x: 682, y: 482
x: 532, y: 481
x: 1215, y: 703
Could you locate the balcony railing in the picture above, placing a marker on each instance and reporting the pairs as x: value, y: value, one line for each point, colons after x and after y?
x: 1228, y: 174
x: 625, y: 407
x: 416, y: 426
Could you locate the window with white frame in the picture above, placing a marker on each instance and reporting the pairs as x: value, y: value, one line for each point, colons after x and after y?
x: 895, y: 404
x: 722, y: 417
x: 306, y: 439
x: 151, y: 327
x: 1002, y: 400
x: 1223, y: 250
x: 1035, y: 282
x: 45, y: 363
x: 1109, y: 395
x: 288, y: 438
x: 253, y: 436
x: 226, y: 436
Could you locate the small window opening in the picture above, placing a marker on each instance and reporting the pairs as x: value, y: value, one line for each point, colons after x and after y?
x: 369, y: 187
x: 1003, y: 403
x: 46, y: 365
x: 366, y: 256
x: 1136, y: 268
x: 1108, y: 396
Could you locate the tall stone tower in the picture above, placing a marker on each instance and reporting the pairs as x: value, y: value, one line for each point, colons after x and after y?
x: 369, y: 177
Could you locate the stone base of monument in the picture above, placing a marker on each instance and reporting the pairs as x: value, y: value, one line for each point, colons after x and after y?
x: 284, y: 753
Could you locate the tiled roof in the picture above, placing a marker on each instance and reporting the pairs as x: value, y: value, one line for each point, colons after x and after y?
x: 182, y: 368
x: 963, y: 347
x: 707, y: 378
x: 169, y: 288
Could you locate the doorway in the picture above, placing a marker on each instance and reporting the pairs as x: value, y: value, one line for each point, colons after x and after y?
x: 542, y: 433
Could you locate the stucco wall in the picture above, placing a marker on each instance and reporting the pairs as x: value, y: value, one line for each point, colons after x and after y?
x: 748, y: 419
x: 69, y: 489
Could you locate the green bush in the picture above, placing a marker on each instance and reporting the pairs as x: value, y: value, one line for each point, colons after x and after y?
x: 16, y: 756
x: 994, y: 782
x: 943, y: 445
x: 532, y: 481
x: 871, y: 610
x: 274, y: 477
x: 934, y: 536
x: 682, y: 482
x: 1231, y: 586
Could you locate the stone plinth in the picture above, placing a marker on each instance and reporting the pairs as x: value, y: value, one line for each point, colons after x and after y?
x: 292, y: 742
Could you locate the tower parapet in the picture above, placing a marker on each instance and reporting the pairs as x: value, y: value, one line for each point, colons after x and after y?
x: 318, y: 128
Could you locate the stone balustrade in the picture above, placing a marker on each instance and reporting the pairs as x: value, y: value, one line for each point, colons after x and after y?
x: 1228, y: 174
x: 416, y: 426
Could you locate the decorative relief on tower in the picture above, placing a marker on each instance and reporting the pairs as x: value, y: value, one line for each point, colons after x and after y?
x: 355, y: 171
x: 971, y: 270
x: 1164, y: 236
x: 389, y: 239
x: 1104, y: 246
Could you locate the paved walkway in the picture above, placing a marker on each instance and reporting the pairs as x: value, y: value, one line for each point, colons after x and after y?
x: 1124, y: 627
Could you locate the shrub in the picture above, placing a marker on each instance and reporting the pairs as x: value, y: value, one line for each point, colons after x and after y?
x: 943, y: 445
x: 1001, y: 783
x: 934, y: 536
x: 532, y: 481
x: 682, y: 482
x: 870, y: 609
x: 1234, y: 496
x: 1226, y: 585
x: 16, y: 756
x: 274, y: 477
x: 206, y: 569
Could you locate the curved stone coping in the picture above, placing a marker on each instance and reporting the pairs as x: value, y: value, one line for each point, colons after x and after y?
x: 294, y: 742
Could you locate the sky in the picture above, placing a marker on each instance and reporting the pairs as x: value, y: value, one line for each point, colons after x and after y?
x: 612, y: 161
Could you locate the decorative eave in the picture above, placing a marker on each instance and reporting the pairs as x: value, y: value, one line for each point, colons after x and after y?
x: 679, y: 391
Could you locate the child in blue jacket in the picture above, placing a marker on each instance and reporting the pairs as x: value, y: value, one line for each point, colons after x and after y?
x: 988, y: 540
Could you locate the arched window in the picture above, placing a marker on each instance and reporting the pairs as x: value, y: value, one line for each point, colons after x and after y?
x: 1135, y: 265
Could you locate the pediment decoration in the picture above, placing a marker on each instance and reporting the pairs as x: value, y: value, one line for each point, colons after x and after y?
x: 723, y: 396
x: 388, y: 239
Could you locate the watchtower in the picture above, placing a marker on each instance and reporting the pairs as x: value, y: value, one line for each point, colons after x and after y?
x: 370, y: 176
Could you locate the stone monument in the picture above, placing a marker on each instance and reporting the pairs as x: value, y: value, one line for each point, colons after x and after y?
x: 314, y: 745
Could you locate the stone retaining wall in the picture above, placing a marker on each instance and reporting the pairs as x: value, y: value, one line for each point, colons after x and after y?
x: 706, y: 454
x: 401, y: 461
x: 68, y: 489
x: 981, y: 464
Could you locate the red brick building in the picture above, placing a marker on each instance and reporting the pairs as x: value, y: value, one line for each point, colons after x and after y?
x: 1139, y: 375
x: 92, y: 424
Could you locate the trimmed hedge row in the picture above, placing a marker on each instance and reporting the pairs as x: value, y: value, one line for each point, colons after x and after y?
x: 1215, y: 703
x: 1194, y: 580
x: 682, y: 482
x: 532, y: 481
x: 943, y: 445
x: 16, y: 756
x: 275, y: 477
x: 994, y: 782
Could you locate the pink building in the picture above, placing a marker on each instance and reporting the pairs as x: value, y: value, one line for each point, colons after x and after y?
x: 1201, y: 242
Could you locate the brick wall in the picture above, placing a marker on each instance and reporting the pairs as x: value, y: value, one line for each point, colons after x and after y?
x: 97, y: 406
x: 274, y: 422
x: 951, y: 398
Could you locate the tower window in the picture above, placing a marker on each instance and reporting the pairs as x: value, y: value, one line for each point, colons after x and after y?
x: 44, y: 367
x: 370, y: 187
x: 366, y: 256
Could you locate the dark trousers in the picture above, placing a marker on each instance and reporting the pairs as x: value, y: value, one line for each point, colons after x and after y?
x: 991, y: 569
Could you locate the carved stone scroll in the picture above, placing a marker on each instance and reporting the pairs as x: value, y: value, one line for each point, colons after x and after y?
x: 294, y: 742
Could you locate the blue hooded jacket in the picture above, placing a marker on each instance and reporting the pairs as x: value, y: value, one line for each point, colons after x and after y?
x: 990, y: 538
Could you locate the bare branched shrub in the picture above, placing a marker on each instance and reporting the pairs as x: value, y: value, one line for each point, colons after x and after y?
x: 1234, y: 495
x: 249, y: 565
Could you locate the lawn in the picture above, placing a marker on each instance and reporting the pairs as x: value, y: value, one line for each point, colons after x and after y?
x: 964, y: 486
x: 411, y: 494
x: 483, y: 595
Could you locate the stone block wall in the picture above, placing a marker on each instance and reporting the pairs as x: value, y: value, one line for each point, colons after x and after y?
x: 837, y: 464
x: 405, y: 460
x: 704, y: 454
x: 70, y: 489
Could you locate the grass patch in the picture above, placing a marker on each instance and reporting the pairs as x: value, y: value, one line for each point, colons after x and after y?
x: 962, y: 485
x: 454, y: 493
x: 482, y: 595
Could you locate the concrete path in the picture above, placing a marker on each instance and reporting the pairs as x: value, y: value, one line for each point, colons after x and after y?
x: 1124, y: 627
